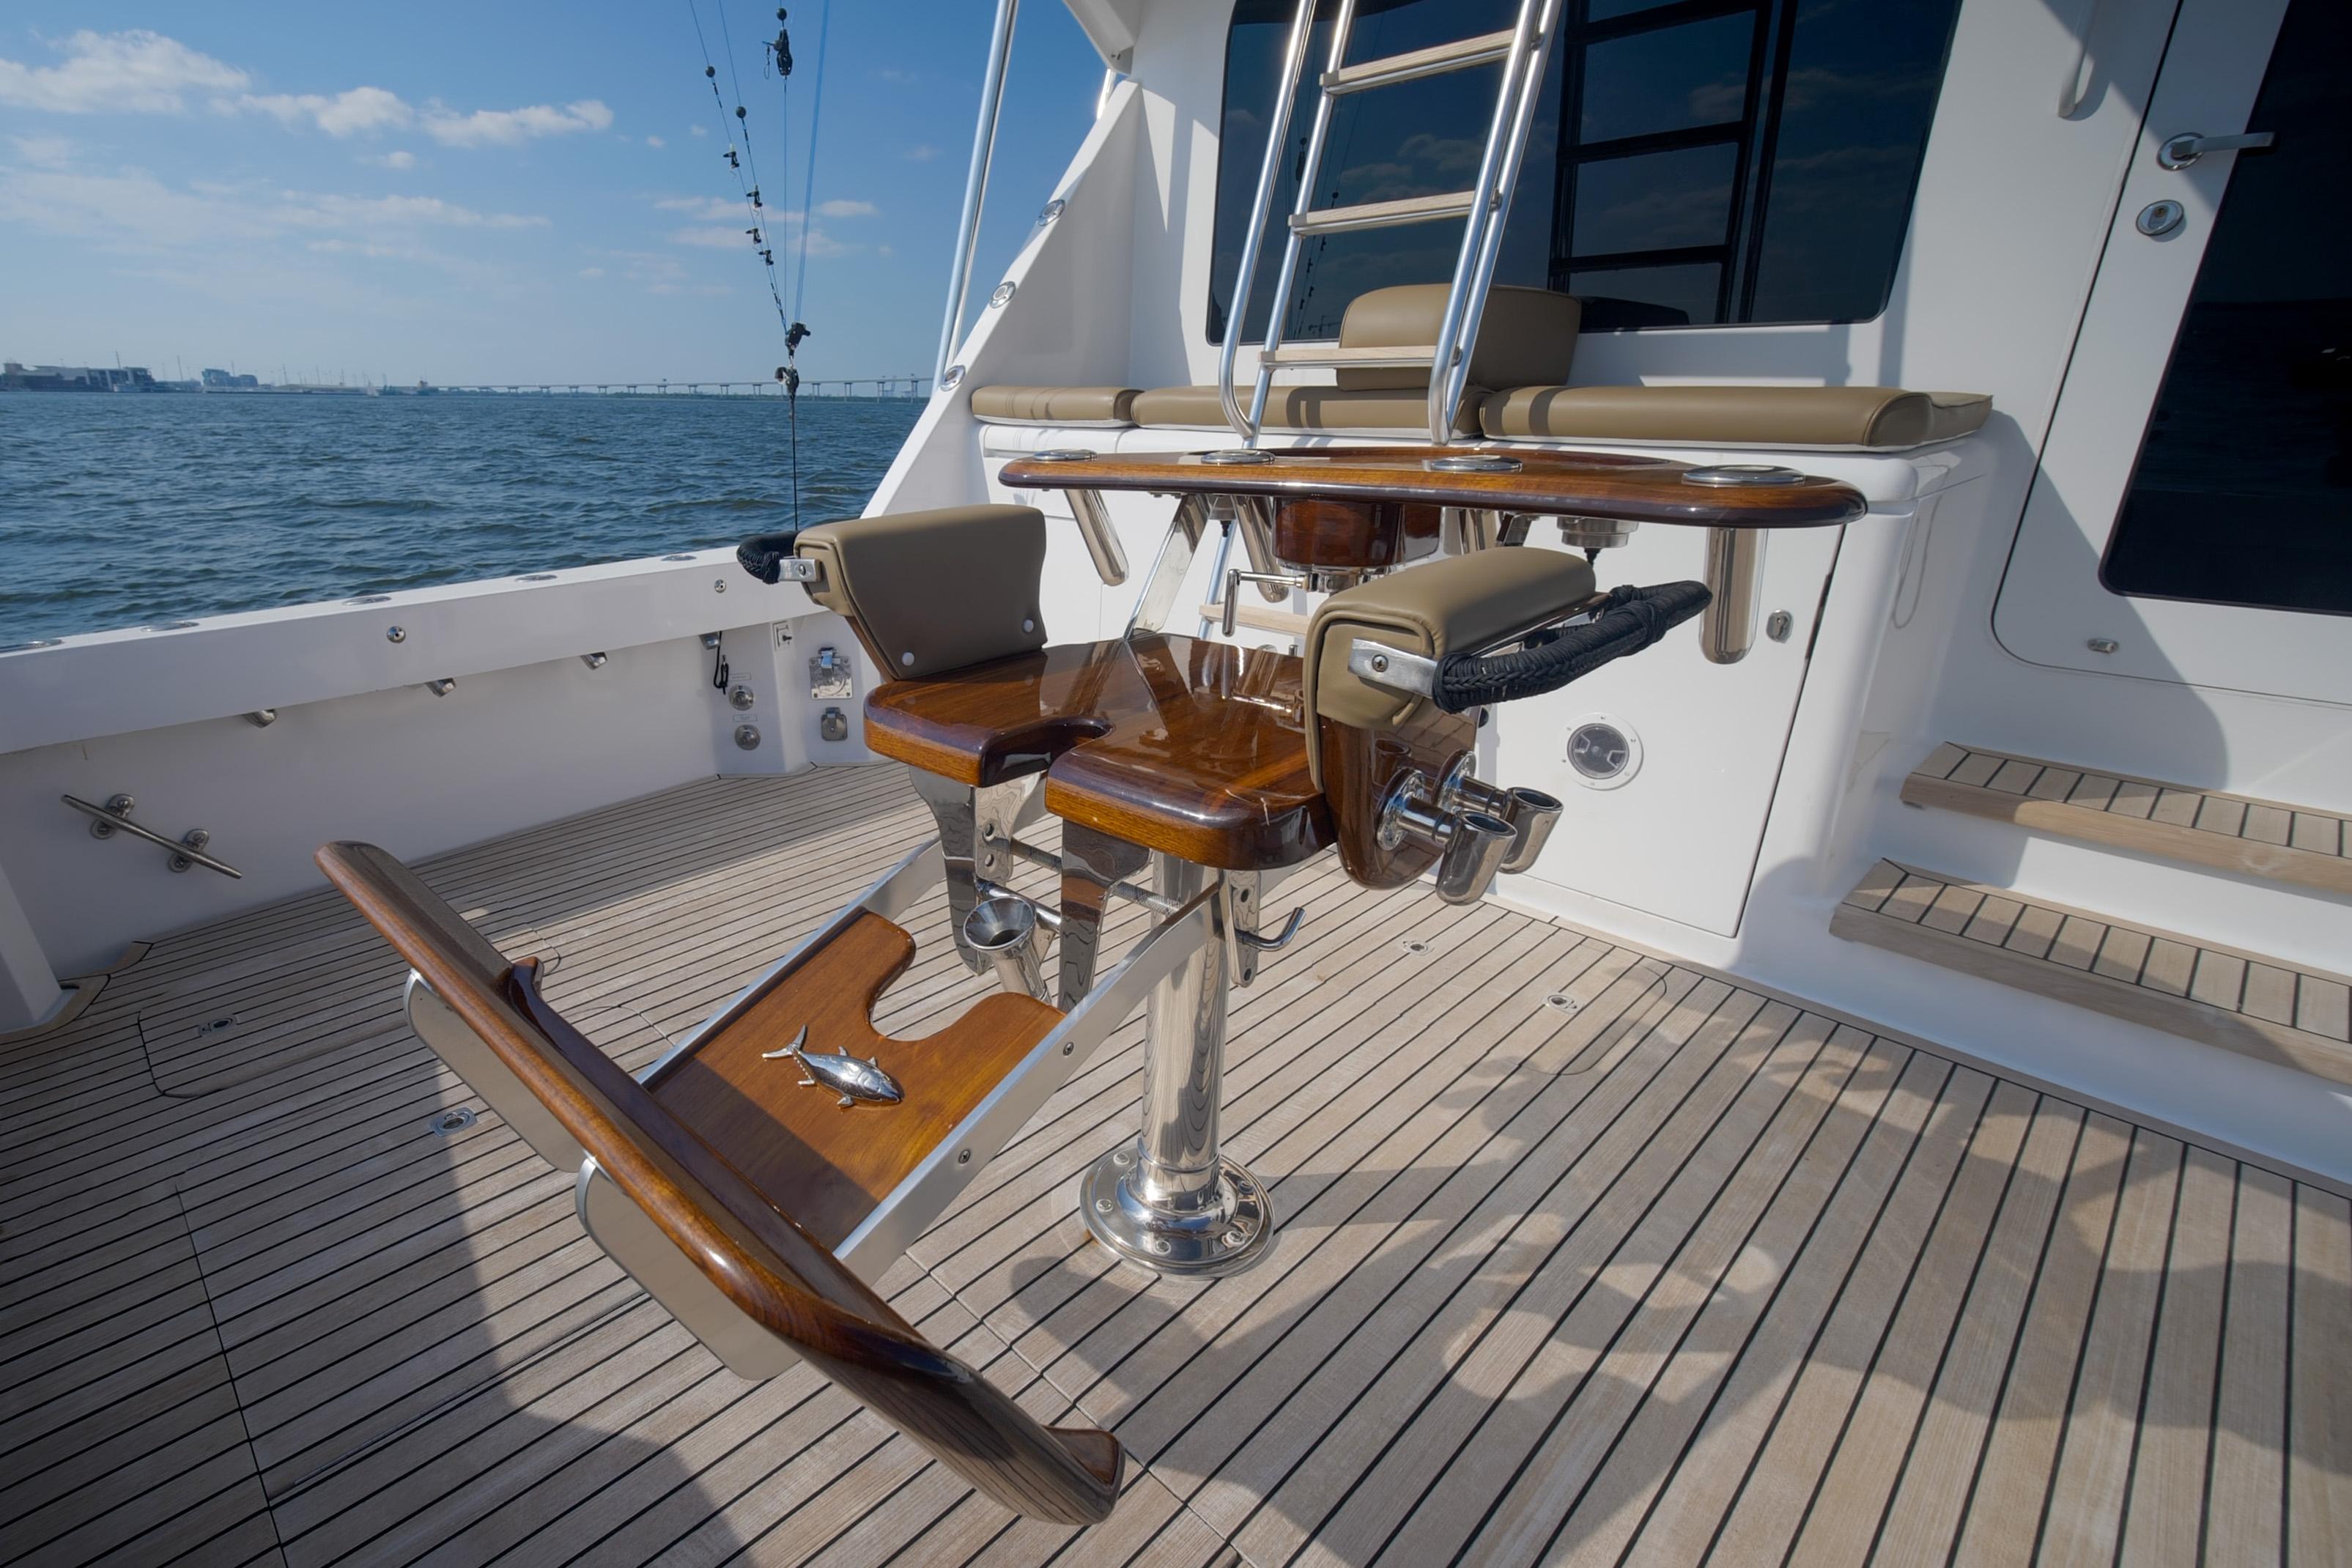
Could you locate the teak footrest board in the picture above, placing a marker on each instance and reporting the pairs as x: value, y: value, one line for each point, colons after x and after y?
x: 826, y: 1164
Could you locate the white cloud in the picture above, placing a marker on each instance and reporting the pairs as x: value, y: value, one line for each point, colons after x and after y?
x: 697, y: 131
x: 922, y: 153
x: 507, y: 127
x: 655, y: 142
x: 710, y: 237
x: 717, y: 209
x: 44, y: 152
x: 592, y: 272
x: 360, y: 112
x: 137, y: 71
x: 402, y: 159
x: 838, y: 209
x: 404, y: 212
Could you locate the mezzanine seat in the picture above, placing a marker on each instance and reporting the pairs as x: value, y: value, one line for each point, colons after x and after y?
x: 1107, y: 407
x: 1857, y: 419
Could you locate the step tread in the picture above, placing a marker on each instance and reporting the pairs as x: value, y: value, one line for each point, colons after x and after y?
x: 1459, y: 55
x: 2267, y: 838
x: 2263, y: 1007
x: 1385, y: 214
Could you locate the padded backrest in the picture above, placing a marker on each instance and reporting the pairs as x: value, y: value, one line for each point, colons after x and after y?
x: 930, y: 592
x: 1527, y: 337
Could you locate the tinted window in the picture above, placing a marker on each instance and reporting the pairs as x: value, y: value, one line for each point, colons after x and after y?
x: 2244, y: 491
x: 1701, y: 162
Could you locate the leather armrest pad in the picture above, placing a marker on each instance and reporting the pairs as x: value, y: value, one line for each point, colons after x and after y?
x: 1461, y: 602
x: 934, y: 590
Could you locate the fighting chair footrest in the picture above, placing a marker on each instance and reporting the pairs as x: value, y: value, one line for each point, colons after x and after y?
x: 818, y: 1109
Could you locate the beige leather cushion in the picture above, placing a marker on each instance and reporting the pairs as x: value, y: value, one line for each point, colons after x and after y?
x: 1876, y: 419
x: 1306, y: 408
x: 1108, y: 406
x: 1526, y: 338
x: 935, y: 590
x: 1461, y: 602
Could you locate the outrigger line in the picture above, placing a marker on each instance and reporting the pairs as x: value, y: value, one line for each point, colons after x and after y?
x: 746, y: 165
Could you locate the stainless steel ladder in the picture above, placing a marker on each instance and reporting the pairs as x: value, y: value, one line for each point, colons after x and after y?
x: 1486, y: 207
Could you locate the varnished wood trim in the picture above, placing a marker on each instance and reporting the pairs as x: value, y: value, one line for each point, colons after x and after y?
x: 1640, y: 490
x: 763, y: 1261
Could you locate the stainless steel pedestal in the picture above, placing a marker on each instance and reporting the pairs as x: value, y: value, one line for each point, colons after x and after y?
x: 1169, y: 1201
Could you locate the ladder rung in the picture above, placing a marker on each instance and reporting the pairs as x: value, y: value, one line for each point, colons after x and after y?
x: 1415, y: 64
x: 1332, y: 355
x: 1384, y: 215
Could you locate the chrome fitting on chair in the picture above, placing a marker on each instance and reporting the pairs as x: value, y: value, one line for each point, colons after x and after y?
x: 1004, y: 928
x: 1472, y: 845
x: 1531, y: 813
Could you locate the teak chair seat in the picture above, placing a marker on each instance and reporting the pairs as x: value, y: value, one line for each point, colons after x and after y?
x: 724, y: 1185
x: 1194, y: 748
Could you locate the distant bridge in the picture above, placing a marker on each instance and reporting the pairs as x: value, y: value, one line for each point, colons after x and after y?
x: 900, y: 386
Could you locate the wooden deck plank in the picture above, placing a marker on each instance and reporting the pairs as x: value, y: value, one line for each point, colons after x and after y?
x: 1589, y: 1280
x: 2245, y: 1485
x: 2319, y: 1435
x: 2082, y: 1519
x: 2163, y: 1522
x: 2014, y: 1472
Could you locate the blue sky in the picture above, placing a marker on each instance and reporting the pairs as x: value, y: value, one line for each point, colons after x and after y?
x: 512, y: 192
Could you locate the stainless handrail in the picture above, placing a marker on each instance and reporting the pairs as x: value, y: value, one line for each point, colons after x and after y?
x: 975, y: 183
x: 106, y: 822
x: 1482, y: 236
x: 1277, y: 135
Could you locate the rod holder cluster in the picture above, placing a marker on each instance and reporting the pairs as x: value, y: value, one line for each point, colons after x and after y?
x: 1531, y: 813
x: 1478, y: 829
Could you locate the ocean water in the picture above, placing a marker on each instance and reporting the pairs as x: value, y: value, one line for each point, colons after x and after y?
x: 121, y: 510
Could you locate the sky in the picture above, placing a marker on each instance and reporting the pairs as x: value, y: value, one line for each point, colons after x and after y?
x: 516, y: 192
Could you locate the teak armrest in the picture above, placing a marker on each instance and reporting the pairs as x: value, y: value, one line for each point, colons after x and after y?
x: 758, y: 1255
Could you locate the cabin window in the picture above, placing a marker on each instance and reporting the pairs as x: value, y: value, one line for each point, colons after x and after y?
x: 2242, y: 494
x: 1689, y: 164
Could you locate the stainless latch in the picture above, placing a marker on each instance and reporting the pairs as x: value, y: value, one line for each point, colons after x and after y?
x: 2179, y: 152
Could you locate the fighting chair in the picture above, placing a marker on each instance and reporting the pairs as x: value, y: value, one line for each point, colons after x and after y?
x: 758, y: 1178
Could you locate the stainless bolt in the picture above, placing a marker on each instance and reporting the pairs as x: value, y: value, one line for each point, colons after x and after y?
x: 2103, y: 645
x: 1102, y: 1206
x: 1234, y: 1238
x: 1161, y: 1245
x: 1121, y: 1158
x: 395, y: 634
x: 718, y: 584
x: 963, y: 1156
x: 1379, y: 664
x: 1779, y: 625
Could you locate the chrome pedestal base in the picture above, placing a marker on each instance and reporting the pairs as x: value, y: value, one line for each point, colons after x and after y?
x: 1225, y: 1234
x: 1166, y: 1199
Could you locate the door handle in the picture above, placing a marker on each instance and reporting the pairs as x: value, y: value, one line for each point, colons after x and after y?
x: 2179, y: 152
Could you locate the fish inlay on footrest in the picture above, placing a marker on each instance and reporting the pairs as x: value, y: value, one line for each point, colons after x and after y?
x: 846, y: 1075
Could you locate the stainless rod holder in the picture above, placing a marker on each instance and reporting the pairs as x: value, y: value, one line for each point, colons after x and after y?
x: 1102, y: 540
x: 1734, y: 576
x: 1474, y: 854
x: 1533, y: 815
x: 1003, y: 928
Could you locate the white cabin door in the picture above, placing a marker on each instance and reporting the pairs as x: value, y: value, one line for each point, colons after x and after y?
x: 2191, y: 520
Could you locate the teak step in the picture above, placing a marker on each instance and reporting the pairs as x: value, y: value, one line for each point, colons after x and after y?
x: 1385, y: 214
x: 2233, y: 832
x: 1459, y: 55
x: 2222, y: 996
x: 831, y: 1163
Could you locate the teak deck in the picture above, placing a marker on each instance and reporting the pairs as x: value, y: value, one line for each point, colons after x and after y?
x: 1587, y: 1256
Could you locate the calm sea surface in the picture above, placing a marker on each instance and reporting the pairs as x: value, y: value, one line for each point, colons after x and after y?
x: 120, y: 510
